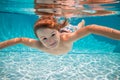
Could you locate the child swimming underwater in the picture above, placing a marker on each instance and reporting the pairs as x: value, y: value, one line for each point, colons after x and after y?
x: 55, y: 40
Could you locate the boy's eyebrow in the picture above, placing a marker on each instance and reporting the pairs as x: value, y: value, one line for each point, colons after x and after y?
x: 42, y: 36
x: 52, y: 31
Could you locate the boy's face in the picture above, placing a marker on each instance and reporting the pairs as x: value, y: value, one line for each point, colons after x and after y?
x: 50, y: 38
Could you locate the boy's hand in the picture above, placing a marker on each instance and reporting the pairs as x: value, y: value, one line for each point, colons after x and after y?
x: 81, y: 24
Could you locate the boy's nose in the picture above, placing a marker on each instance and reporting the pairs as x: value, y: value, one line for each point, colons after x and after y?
x: 50, y: 40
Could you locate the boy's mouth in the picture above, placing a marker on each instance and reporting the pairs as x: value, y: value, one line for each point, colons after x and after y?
x: 53, y: 44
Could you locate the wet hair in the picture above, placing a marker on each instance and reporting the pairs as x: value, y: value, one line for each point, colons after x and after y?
x: 49, y: 22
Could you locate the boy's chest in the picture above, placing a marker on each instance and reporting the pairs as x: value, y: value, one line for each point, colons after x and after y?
x: 61, y: 49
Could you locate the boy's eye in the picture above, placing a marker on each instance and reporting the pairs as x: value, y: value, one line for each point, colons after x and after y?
x: 53, y: 35
x: 44, y: 38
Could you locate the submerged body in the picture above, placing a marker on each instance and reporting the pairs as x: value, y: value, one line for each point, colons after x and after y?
x: 63, y: 48
x: 53, y: 41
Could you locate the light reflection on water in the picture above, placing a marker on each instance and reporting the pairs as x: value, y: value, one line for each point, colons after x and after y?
x: 36, y: 66
x: 67, y: 8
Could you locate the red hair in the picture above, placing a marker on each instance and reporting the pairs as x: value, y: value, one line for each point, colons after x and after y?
x: 49, y: 22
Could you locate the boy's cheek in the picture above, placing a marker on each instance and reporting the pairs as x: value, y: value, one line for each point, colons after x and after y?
x: 45, y: 42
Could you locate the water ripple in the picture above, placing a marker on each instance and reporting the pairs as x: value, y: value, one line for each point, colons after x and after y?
x: 36, y: 66
x: 67, y: 8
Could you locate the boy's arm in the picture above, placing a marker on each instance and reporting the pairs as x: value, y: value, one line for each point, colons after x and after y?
x: 26, y: 41
x: 80, y: 33
x: 95, y: 29
x: 9, y: 42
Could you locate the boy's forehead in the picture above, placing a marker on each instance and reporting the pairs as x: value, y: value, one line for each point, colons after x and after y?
x: 44, y: 31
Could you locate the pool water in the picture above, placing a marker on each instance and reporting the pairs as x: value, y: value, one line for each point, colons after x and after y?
x: 92, y: 58
x: 37, y: 66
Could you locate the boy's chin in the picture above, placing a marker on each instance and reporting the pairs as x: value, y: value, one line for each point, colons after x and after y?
x: 52, y: 47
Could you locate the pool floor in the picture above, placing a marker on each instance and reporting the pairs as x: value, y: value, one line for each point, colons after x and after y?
x: 40, y: 66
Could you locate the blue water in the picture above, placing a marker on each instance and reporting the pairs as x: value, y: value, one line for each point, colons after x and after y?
x: 91, y: 58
